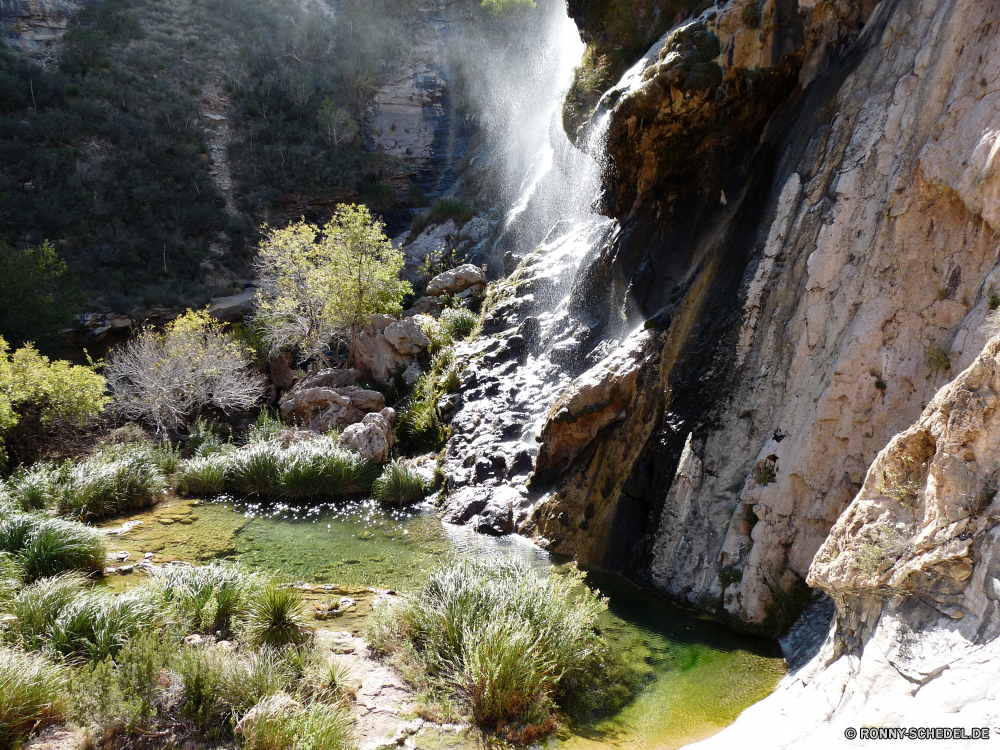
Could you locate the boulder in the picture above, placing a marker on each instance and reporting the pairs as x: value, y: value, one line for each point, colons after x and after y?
x: 274, y: 706
x: 456, y: 280
x: 425, y: 306
x: 233, y: 307
x: 324, y: 409
x: 329, y: 378
x: 281, y: 372
x: 406, y: 337
x: 385, y: 345
x: 372, y: 437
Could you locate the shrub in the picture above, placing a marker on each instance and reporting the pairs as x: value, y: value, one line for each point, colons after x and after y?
x: 32, y: 694
x: 399, y: 485
x: 275, y: 726
x: 203, y: 438
x: 459, y: 323
x: 274, y: 618
x: 164, y: 378
x: 38, y: 396
x: 201, y: 672
x: 37, y: 298
x: 209, y: 598
x: 419, y: 427
x: 317, y: 284
x: 938, y: 357
x: 509, y: 641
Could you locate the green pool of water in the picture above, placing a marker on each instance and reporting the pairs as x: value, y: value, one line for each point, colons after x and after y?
x: 699, y: 675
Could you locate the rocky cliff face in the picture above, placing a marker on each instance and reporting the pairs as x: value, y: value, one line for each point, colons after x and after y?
x: 29, y: 25
x: 912, y: 565
x: 810, y: 291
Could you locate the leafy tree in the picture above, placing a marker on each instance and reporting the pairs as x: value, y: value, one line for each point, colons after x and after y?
x: 165, y: 378
x: 38, y: 395
x: 341, y: 129
x: 317, y: 284
x: 36, y: 296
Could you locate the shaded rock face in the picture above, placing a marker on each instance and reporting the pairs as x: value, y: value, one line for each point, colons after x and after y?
x: 29, y: 25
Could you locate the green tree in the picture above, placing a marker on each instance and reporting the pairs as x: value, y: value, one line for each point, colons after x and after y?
x: 38, y: 395
x: 316, y: 284
x: 37, y: 298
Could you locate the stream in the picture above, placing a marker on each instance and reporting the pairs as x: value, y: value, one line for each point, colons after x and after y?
x: 699, y: 676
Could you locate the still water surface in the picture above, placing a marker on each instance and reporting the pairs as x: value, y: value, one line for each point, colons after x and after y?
x: 700, y: 675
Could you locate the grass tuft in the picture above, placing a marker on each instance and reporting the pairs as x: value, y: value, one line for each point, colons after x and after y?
x: 399, y: 485
x: 274, y: 617
x: 32, y: 694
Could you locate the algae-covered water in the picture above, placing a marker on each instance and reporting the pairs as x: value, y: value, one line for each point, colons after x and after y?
x: 700, y: 676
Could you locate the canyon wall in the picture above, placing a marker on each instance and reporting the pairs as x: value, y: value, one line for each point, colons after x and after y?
x: 814, y: 264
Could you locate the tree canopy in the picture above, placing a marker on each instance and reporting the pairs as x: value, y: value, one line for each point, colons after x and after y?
x: 318, y: 284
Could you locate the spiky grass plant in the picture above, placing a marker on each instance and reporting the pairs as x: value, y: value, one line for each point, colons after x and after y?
x: 308, y: 469
x: 330, y: 682
x: 103, y: 487
x: 97, y: 624
x: 39, y: 605
x: 32, y: 694
x: 275, y: 725
x: 506, y: 639
x: 36, y: 487
x: 246, y: 680
x: 274, y: 617
x: 399, y: 485
x: 49, y: 546
x: 459, y: 322
x: 325, y: 727
x: 209, y: 598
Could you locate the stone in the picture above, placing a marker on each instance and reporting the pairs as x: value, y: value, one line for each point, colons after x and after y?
x: 466, y: 503
x: 330, y: 377
x: 195, y: 639
x: 406, y: 337
x: 323, y: 409
x: 277, y: 705
x: 456, y: 280
x: 126, y: 570
x: 496, y: 519
x: 234, y: 307
x: 374, y: 355
x: 282, y: 376
x: 425, y: 306
x: 8, y: 621
x: 372, y: 437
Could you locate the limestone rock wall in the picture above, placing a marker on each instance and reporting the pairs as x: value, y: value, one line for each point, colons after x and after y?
x: 912, y: 565
x: 814, y: 311
x: 29, y: 25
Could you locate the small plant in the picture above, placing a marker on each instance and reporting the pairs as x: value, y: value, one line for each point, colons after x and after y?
x: 765, y: 473
x: 993, y: 301
x: 245, y: 681
x: 325, y: 727
x: 458, y: 323
x: 881, y: 548
x: 209, y: 598
x: 753, y: 14
x: 903, y: 483
x: 399, y: 485
x: 32, y: 694
x: 49, y: 546
x: 274, y: 617
x: 331, y: 682
x: 880, y: 384
x: 728, y: 575
x: 938, y: 357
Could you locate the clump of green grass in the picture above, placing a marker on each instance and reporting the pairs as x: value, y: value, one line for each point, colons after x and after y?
x: 37, y: 606
x: 399, y: 485
x: 506, y: 641
x: 325, y: 727
x: 49, y: 546
x: 308, y: 469
x: 330, y: 682
x: 203, y: 438
x: 99, y: 623
x: 274, y: 617
x: 459, y: 322
x: 32, y: 694
x: 245, y: 680
x: 209, y: 598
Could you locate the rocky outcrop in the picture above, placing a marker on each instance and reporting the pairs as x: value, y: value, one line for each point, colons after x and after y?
x: 456, y: 280
x: 372, y: 437
x: 322, y: 408
x: 810, y: 312
x: 30, y: 25
x: 912, y: 565
x: 387, y: 345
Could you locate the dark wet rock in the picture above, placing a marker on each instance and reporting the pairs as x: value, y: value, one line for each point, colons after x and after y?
x: 496, y: 519
x: 521, y: 463
x: 466, y: 503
